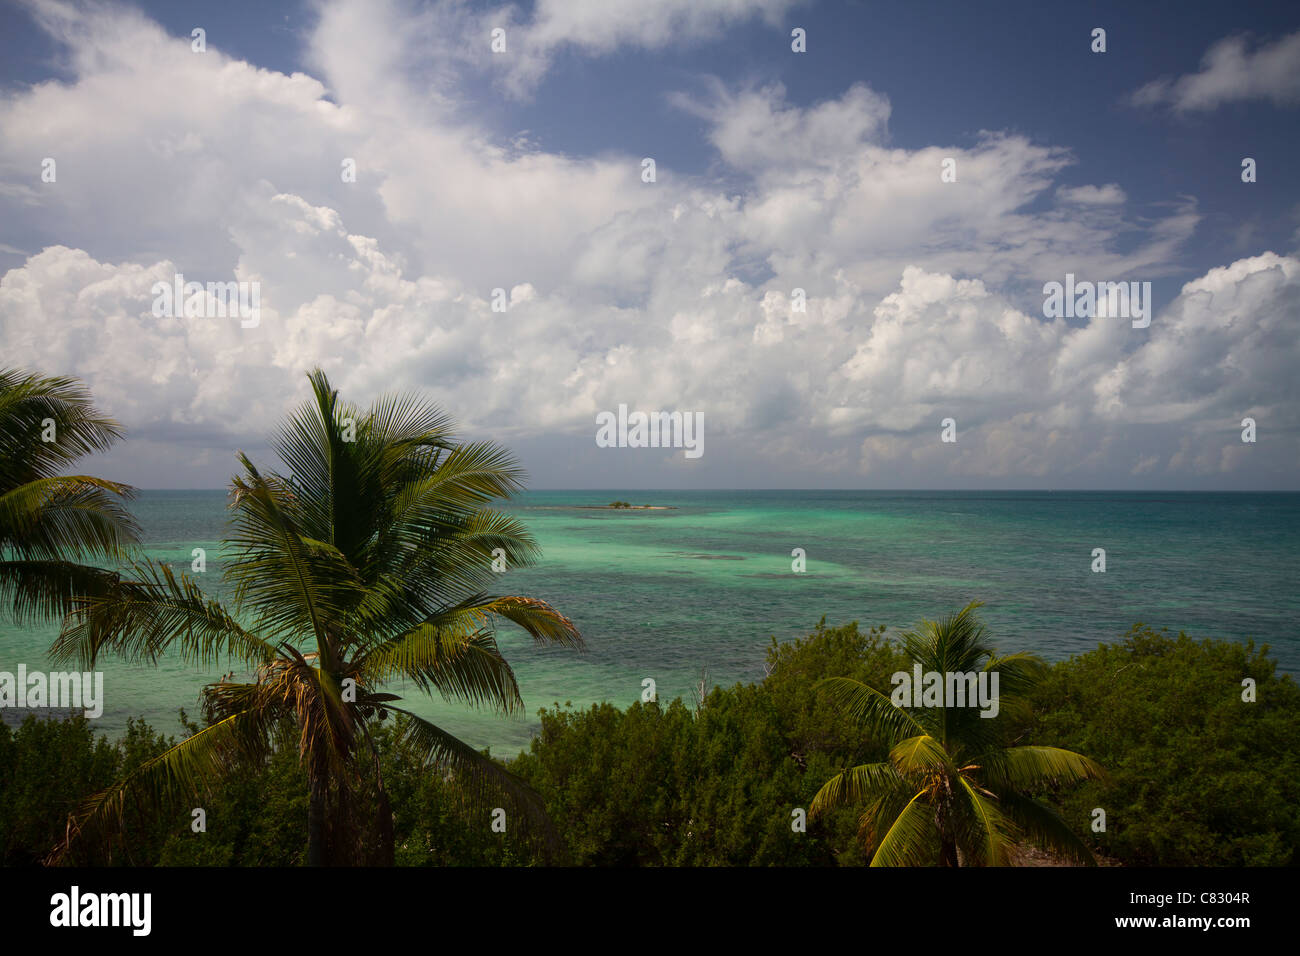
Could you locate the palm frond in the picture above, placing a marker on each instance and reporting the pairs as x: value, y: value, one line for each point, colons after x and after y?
x: 191, y: 767
x: 28, y: 403
x: 154, y: 611
x: 36, y: 590
x: 453, y: 657
x: 1034, y: 768
x: 870, y: 708
x: 912, y: 839
x: 989, y: 841
x: 919, y: 755
x: 481, y: 778
x: 291, y: 584
x: 67, y: 516
x: 1043, y: 827
x: 855, y: 785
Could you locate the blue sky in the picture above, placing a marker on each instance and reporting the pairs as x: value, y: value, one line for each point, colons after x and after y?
x: 775, y: 170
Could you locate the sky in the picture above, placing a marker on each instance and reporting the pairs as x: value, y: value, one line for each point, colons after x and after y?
x: 522, y: 170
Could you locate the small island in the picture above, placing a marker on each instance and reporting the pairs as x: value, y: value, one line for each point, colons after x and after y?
x: 629, y: 505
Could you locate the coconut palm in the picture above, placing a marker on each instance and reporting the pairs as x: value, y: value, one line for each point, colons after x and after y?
x: 51, y: 524
x: 370, y: 559
x: 952, y: 791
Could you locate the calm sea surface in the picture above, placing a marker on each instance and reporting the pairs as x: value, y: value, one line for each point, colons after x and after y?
x: 663, y: 594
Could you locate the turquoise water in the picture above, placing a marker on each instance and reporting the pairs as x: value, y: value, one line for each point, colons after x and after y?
x: 663, y: 594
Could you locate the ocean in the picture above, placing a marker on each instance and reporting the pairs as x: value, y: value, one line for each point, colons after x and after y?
x: 669, y: 594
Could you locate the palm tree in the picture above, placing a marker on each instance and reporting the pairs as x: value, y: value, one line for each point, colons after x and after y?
x: 952, y: 791
x: 51, y: 523
x: 370, y: 560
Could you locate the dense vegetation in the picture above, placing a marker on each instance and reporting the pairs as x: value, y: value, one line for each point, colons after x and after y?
x: 1196, y: 776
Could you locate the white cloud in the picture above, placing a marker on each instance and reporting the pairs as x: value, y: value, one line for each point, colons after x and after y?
x: 600, y: 27
x: 675, y: 294
x: 434, y: 43
x: 756, y: 131
x: 1231, y: 72
x: 1107, y: 195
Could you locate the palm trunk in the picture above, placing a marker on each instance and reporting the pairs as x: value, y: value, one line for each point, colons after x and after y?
x: 386, y: 850
x: 948, y: 853
x: 316, y: 855
x: 942, y: 814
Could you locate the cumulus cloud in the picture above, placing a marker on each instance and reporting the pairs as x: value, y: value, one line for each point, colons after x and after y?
x: 439, y: 41
x: 1232, y: 72
x: 922, y: 297
x: 758, y: 132
x: 599, y: 27
x: 1036, y: 398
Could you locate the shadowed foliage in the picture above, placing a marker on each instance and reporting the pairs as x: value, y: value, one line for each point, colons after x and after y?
x: 1154, y: 706
x: 52, y: 524
x: 717, y: 786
